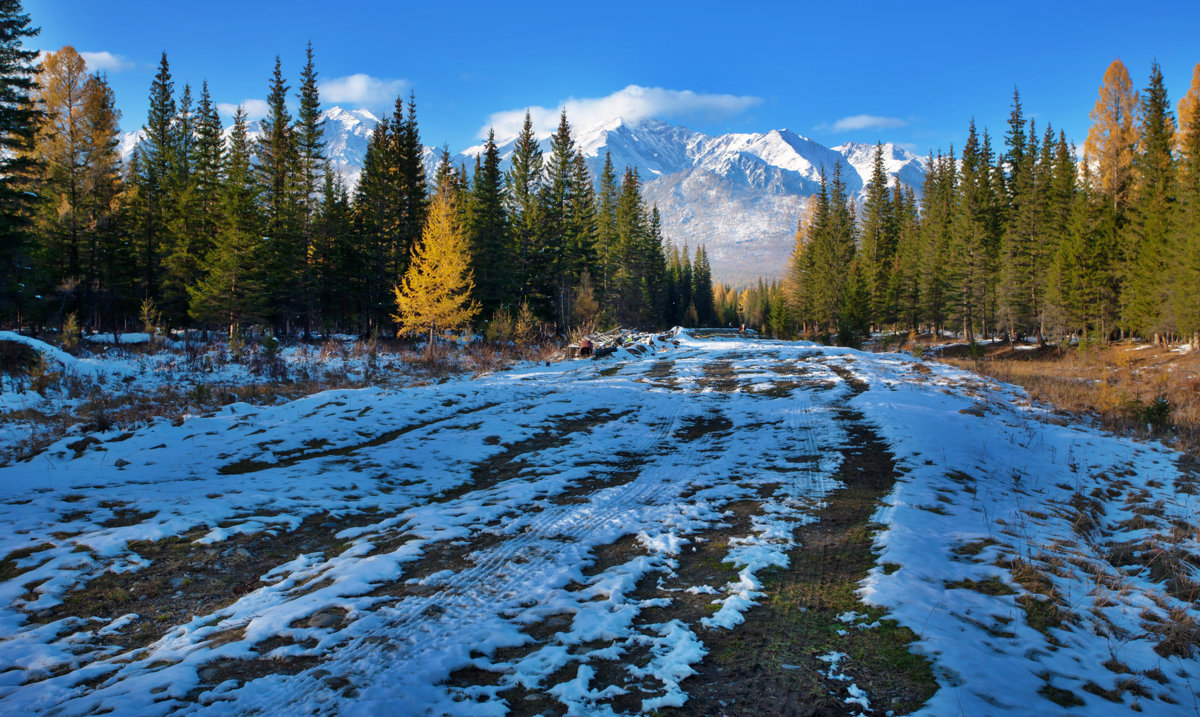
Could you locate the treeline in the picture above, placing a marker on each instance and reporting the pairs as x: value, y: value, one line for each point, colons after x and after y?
x: 1019, y: 241
x: 221, y: 228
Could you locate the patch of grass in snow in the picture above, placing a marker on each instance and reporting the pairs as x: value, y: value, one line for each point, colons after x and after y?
x: 798, y: 618
x: 183, y: 578
x: 9, y: 567
x: 1059, y: 696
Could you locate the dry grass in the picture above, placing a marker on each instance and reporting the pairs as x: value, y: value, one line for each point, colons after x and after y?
x: 1131, y: 389
x: 106, y: 407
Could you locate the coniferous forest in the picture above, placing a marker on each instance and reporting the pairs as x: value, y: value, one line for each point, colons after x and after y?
x: 1026, y: 235
x: 205, y: 228
x: 1032, y: 238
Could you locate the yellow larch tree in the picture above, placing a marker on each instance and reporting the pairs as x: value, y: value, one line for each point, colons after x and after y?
x: 1189, y: 108
x: 1112, y: 139
x: 435, y: 292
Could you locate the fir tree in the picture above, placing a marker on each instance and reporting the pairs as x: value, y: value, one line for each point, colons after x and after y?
x: 878, y: 241
x: 1149, y: 250
x: 524, y: 210
x: 157, y: 155
x: 702, y: 289
x: 233, y: 293
x: 276, y: 169
x: 489, y: 234
x: 19, y: 119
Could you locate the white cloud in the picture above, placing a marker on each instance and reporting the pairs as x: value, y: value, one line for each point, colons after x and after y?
x: 857, y: 122
x: 106, y: 61
x: 362, y: 90
x: 255, y: 109
x: 632, y: 103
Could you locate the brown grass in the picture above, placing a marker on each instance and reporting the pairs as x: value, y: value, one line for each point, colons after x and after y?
x: 1130, y: 389
x: 108, y: 406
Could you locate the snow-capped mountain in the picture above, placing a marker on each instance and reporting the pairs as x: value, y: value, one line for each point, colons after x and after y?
x: 739, y: 194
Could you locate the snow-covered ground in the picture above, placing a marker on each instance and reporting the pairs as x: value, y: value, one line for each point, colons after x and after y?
x: 448, y: 548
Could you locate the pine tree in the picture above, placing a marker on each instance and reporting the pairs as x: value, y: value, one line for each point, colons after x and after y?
x: 310, y: 155
x: 19, y: 119
x: 185, y: 244
x: 157, y: 159
x: 1149, y: 250
x: 558, y: 258
x: 435, y: 292
x: 375, y: 230
x: 524, y: 211
x: 409, y: 168
x: 702, y: 289
x: 489, y: 233
x: 276, y: 170
x: 878, y: 241
x: 233, y: 292
x: 606, y: 233
x: 1186, y: 275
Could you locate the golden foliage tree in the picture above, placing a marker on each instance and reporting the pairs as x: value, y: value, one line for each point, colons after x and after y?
x: 76, y: 147
x: 1112, y: 139
x: 1189, y: 108
x: 435, y: 292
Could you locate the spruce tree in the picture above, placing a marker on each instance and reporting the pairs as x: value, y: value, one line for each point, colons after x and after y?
x: 157, y: 159
x: 702, y: 289
x: 489, y: 233
x: 1149, y: 247
x: 19, y: 119
x: 310, y: 156
x: 878, y: 241
x: 277, y: 172
x: 606, y: 233
x: 233, y: 292
x: 524, y: 210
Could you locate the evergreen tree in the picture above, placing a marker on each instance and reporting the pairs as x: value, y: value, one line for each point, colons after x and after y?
x: 157, y: 159
x: 558, y: 251
x: 310, y: 156
x: 1149, y: 250
x: 233, y: 292
x: 878, y: 241
x: 1185, y: 277
x: 702, y: 289
x: 19, y: 119
x: 276, y: 169
x: 489, y: 233
x: 606, y: 233
x: 524, y: 211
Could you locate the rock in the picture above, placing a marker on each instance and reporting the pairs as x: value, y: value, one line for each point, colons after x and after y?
x: 176, y: 582
x: 120, y: 463
x: 242, y: 553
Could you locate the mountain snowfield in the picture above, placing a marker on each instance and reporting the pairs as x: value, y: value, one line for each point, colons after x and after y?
x: 741, y: 195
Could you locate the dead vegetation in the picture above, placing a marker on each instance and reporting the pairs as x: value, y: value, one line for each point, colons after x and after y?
x: 190, y: 381
x: 1136, y: 389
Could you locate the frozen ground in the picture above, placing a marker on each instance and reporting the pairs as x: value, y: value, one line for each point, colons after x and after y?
x: 529, y: 541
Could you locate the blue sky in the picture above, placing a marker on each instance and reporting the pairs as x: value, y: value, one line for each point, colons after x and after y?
x: 903, y: 72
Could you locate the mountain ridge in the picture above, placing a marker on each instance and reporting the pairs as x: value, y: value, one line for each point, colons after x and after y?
x: 739, y: 194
